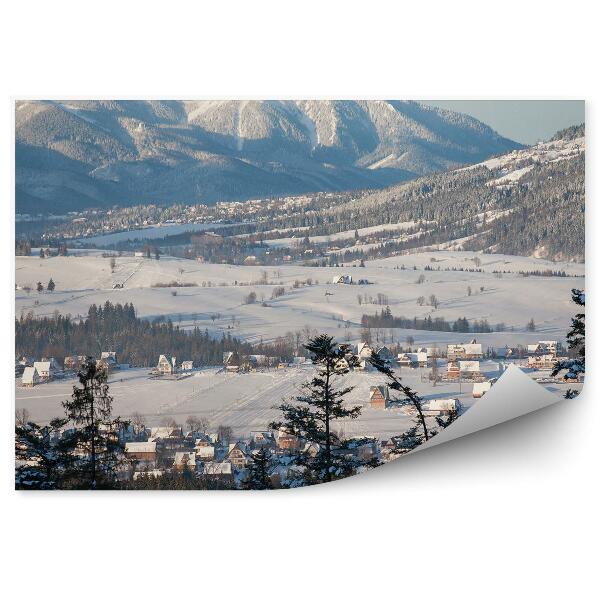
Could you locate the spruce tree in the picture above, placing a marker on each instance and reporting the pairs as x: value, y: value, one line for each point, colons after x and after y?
x: 44, y: 455
x: 311, y: 416
x: 259, y: 471
x: 51, y: 285
x: 576, y: 340
x: 97, y: 435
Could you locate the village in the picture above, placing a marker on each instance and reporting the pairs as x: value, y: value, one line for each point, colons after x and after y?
x: 450, y: 379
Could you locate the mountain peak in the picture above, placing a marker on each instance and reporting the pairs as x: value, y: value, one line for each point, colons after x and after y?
x: 76, y: 154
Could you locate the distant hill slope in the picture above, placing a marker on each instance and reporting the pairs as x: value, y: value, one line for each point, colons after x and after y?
x: 77, y: 154
x: 529, y: 202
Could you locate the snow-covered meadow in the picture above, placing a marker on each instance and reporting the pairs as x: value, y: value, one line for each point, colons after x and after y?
x: 220, y: 291
x: 248, y: 402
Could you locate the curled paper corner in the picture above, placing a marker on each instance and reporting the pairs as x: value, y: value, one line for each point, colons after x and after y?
x: 513, y: 395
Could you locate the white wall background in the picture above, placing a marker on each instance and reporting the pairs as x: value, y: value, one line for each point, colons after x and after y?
x: 507, y: 513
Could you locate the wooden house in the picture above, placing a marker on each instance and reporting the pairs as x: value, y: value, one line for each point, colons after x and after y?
x: 184, y: 461
x: 504, y: 352
x: 287, y: 441
x: 412, y: 359
x: 44, y: 369
x: 237, y: 455
x: 453, y: 370
x: 469, y: 369
x: 261, y: 439
x: 167, y: 365
x: 543, y: 347
x: 74, y: 363
x: 30, y: 377
x: 217, y: 471
x: 470, y: 351
x: 205, y: 453
x: 232, y: 361
x: 345, y: 279
x: 144, y: 452
x: 187, y: 365
x: 442, y: 406
x: 385, y: 354
x: 541, y: 362
x: 379, y: 396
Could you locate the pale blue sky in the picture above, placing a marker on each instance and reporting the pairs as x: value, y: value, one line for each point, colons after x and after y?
x: 525, y: 121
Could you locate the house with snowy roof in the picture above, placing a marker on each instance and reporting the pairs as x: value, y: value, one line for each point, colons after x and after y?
x: 385, y: 354
x: 167, y: 365
x: 217, y: 472
x: 543, y: 347
x: 205, y: 453
x: 412, y: 359
x: 142, y: 452
x: 345, y: 279
x: 470, y: 351
x: 184, y: 461
x: 287, y: 441
x: 237, y: 455
x: 541, y: 362
x: 46, y: 369
x: 379, y: 396
x: 442, y: 406
x: 74, y: 363
x: 30, y: 377
x: 232, y: 361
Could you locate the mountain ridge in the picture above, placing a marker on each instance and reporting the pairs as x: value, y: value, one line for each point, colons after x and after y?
x: 77, y: 154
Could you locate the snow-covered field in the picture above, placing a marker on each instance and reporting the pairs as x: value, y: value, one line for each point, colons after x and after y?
x: 512, y: 299
x: 247, y: 401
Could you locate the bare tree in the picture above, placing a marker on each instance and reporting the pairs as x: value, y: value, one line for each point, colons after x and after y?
x: 21, y: 417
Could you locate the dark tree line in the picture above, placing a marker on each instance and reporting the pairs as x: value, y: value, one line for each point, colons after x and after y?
x: 116, y: 327
x: 385, y: 320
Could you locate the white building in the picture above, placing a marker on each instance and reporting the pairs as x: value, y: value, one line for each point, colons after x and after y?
x: 347, y: 279
x: 443, y: 406
x: 30, y: 377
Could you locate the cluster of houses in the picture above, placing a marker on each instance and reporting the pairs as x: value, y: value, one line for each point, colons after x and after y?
x: 34, y: 372
x: 346, y: 279
x: 167, y: 365
x: 168, y: 449
x: 234, y: 362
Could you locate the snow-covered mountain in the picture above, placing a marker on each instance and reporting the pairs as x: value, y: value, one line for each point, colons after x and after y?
x: 74, y: 154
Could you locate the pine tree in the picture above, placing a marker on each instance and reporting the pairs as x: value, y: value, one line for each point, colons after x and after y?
x: 42, y: 255
x: 259, y: 471
x: 46, y: 455
x: 312, y: 415
x: 51, y: 285
x: 419, y: 432
x: 97, y: 435
x: 576, y: 341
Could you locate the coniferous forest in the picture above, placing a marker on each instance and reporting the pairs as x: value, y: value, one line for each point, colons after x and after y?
x: 116, y: 327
